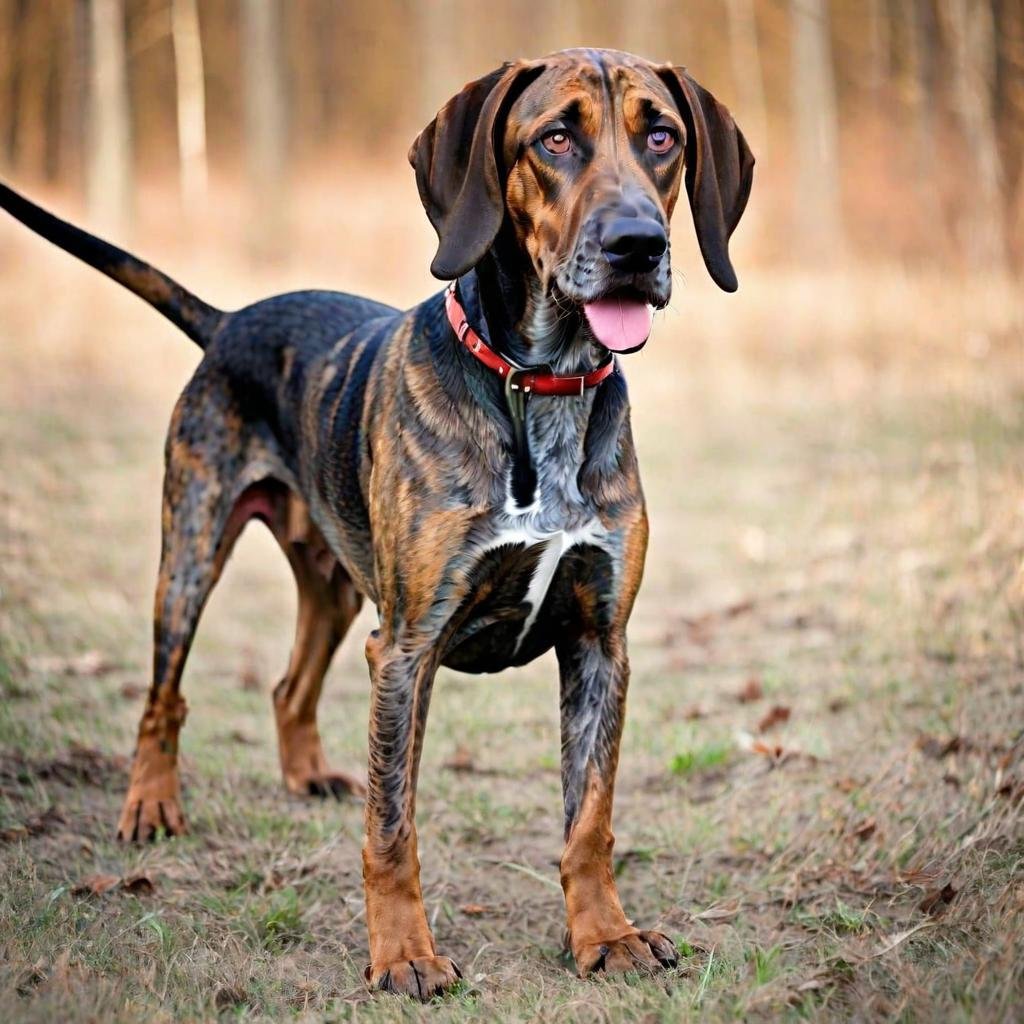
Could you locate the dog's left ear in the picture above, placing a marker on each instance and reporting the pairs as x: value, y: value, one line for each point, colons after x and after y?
x: 459, y: 167
x: 719, y: 171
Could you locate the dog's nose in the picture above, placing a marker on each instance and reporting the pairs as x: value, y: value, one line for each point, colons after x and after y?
x: 633, y: 244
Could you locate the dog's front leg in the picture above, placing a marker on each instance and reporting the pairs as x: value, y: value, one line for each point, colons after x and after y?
x: 594, y: 676
x: 403, y: 957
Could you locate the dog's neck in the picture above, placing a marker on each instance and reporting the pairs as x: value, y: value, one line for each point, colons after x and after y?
x: 524, y: 322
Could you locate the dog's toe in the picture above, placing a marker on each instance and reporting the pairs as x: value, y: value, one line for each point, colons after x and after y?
x: 638, y: 951
x: 337, y: 785
x: 422, y: 978
x: 142, y: 821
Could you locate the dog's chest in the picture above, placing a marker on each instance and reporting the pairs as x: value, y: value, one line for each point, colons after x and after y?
x: 524, y: 570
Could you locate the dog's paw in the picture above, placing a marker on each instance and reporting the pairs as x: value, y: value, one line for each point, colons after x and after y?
x: 422, y: 978
x: 329, y: 784
x: 142, y: 820
x: 637, y: 951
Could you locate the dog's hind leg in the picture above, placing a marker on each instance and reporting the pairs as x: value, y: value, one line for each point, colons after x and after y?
x: 327, y: 603
x: 205, y: 505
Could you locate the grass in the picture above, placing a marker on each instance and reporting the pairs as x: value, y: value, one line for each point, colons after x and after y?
x: 833, y: 471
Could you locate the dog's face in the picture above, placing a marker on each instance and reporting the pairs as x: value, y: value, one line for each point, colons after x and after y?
x: 585, y: 153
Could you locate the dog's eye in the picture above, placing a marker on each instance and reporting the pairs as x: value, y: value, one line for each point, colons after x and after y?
x: 661, y: 140
x: 557, y: 143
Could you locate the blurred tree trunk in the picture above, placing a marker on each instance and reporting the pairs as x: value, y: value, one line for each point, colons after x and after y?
x: 746, y: 68
x: 878, y: 37
x: 819, y: 213
x: 655, y: 29
x: 73, y: 86
x: 970, y: 35
x: 32, y: 73
x: 8, y: 82
x: 191, y: 101
x: 1010, y: 113
x: 109, y: 161
x: 917, y: 31
x: 565, y: 22
x: 442, y: 65
x: 266, y: 125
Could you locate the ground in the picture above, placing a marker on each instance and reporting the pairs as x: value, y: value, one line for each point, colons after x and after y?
x: 821, y: 790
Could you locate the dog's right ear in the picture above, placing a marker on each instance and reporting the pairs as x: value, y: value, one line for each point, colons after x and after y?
x: 459, y: 172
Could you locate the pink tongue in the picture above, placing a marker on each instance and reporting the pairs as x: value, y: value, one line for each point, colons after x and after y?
x: 619, y: 324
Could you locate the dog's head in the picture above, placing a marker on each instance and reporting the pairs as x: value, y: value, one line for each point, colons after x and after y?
x: 585, y: 152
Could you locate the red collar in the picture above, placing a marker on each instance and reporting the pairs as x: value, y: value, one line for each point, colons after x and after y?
x: 526, y: 379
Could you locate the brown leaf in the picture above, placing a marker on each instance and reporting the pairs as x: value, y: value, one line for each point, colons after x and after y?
x: 693, y: 713
x: 239, y: 737
x: 132, y: 691
x: 95, y: 885
x: 933, y: 747
x: 461, y: 761
x: 138, y: 885
x: 32, y: 977
x: 473, y: 909
x: 866, y: 829
x: 777, y: 714
x: 752, y: 690
x: 937, y: 900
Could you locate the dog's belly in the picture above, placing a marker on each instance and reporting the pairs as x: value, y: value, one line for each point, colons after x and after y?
x: 526, y: 594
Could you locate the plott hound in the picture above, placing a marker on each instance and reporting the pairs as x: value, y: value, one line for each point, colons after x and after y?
x: 467, y: 465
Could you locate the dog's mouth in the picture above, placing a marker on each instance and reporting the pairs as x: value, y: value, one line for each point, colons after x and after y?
x: 620, y: 320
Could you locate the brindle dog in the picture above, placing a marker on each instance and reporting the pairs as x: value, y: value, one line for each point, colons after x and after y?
x: 388, y: 464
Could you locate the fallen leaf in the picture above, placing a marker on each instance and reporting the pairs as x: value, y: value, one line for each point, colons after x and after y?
x: 473, y: 909
x: 937, y: 900
x: 461, y: 761
x: 237, y: 736
x: 838, y: 704
x: 776, y: 715
x: 752, y: 690
x: 866, y: 829
x: 138, y: 885
x: 132, y: 691
x: 693, y: 713
x: 32, y: 977
x: 935, y: 748
x: 724, y: 911
x: 95, y: 885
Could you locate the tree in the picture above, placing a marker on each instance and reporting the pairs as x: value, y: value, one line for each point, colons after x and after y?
x: 266, y: 124
x: 109, y: 159
x: 970, y: 37
x: 819, y: 214
x: 191, y: 100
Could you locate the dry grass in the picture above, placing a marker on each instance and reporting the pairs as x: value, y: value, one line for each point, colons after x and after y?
x: 834, y: 473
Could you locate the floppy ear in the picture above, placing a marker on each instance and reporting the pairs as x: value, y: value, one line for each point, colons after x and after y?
x: 459, y: 172
x: 719, y: 171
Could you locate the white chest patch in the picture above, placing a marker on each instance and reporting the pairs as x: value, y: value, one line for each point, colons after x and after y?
x: 522, y: 526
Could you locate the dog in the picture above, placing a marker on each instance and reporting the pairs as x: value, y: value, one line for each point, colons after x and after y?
x: 467, y: 465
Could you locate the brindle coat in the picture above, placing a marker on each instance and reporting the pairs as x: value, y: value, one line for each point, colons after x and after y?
x: 379, y: 453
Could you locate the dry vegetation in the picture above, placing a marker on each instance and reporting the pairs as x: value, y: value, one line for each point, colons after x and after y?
x: 822, y: 782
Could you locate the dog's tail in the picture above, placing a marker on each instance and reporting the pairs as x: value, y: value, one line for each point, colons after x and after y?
x: 198, y: 320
